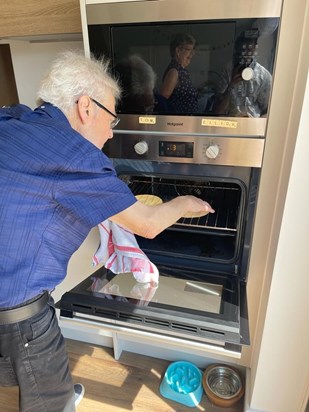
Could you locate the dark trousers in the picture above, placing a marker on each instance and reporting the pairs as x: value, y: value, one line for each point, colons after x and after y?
x: 33, y: 356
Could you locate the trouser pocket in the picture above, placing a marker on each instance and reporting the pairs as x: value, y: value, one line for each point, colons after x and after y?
x: 7, y: 374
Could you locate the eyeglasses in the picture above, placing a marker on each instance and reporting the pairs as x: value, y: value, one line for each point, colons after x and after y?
x: 188, y: 49
x: 116, y: 119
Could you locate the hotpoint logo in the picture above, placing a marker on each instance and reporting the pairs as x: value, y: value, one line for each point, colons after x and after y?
x: 174, y: 124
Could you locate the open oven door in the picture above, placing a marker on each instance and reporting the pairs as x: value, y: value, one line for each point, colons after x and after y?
x: 187, y: 304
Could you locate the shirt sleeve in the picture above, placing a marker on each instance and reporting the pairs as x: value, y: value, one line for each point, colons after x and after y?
x: 264, y: 92
x: 92, y: 191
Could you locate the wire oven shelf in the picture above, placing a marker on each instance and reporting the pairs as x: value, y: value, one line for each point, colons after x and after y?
x: 225, y: 198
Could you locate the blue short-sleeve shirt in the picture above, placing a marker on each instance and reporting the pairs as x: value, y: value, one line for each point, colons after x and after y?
x: 55, y: 186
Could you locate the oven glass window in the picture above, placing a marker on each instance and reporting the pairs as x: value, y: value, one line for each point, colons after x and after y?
x: 204, y: 68
x: 171, y: 291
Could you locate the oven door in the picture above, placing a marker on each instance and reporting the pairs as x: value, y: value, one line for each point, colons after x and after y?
x: 188, y: 304
x: 202, y: 263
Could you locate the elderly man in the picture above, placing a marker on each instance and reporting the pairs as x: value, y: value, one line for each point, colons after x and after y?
x: 57, y: 184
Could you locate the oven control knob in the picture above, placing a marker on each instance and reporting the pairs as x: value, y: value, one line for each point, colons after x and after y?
x: 141, y: 147
x: 212, y: 151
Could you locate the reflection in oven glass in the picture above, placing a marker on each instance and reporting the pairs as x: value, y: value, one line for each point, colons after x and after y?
x: 195, y: 295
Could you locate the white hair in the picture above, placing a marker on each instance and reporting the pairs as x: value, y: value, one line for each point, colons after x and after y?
x: 72, y: 75
x: 143, y: 76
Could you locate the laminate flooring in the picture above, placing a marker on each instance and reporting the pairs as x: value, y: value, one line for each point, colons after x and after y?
x: 130, y: 384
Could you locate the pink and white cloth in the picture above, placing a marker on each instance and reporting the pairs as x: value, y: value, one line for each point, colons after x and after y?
x: 120, y: 252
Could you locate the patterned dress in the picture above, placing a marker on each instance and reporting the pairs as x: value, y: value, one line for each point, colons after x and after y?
x: 184, y: 97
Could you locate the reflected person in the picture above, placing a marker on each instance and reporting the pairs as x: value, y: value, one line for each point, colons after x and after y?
x: 244, y: 87
x: 177, y: 86
x: 137, y: 79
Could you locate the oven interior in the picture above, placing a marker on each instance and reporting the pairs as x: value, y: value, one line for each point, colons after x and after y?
x: 191, y: 242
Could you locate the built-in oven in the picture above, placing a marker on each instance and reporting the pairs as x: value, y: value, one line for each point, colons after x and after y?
x: 215, y: 155
x: 203, y: 262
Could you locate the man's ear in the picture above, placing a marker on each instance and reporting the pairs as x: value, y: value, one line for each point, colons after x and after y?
x: 84, y: 109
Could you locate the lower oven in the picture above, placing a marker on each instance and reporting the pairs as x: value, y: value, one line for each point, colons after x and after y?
x: 202, y: 262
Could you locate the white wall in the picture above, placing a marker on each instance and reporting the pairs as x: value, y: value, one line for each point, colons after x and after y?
x: 279, y: 358
x: 282, y: 374
x: 30, y: 61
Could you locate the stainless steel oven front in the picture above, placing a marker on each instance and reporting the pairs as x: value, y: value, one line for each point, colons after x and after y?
x: 213, y: 154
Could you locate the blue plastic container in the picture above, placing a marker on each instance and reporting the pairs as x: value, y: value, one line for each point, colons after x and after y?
x: 182, y: 382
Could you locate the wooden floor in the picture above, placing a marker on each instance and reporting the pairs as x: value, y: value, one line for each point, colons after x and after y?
x: 130, y: 384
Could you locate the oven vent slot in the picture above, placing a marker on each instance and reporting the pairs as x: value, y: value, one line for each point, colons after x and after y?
x: 187, y: 328
x: 81, y: 308
x: 106, y: 314
x: 125, y: 317
x: 157, y: 322
x: 198, y: 331
x: 171, y: 325
x: 214, y: 333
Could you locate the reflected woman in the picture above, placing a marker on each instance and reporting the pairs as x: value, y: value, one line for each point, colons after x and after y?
x: 177, y: 87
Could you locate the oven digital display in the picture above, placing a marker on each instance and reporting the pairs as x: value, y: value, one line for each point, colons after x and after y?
x: 176, y: 149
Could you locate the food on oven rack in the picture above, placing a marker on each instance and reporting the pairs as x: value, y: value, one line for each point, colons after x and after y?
x: 192, y: 215
x: 149, y: 200
x: 152, y: 200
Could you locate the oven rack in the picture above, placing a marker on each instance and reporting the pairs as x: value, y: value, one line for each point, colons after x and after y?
x: 224, y: 197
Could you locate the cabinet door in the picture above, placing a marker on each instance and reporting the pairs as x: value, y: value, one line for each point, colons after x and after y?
x: 33, y: 17
x: 8, y: 95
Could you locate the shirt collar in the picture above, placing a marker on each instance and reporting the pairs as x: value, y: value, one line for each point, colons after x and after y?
x: 49, y: 110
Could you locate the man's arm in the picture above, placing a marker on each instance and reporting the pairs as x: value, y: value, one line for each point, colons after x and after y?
x: 149, y: 221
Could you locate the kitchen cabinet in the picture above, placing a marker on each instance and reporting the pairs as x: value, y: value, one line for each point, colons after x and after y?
x: 36, y: 18
x: 8, y: 89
